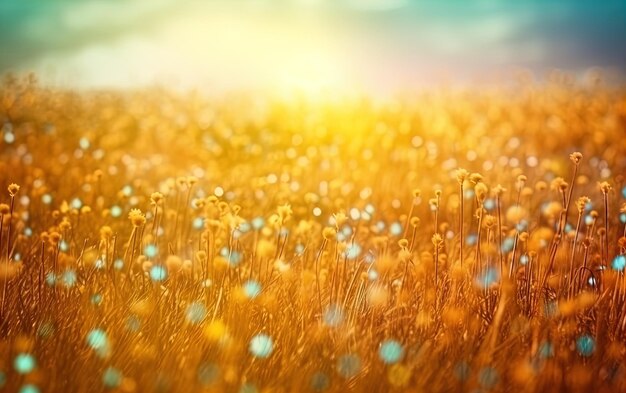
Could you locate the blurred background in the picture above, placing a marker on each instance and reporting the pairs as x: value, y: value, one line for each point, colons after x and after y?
x: 369, y: 45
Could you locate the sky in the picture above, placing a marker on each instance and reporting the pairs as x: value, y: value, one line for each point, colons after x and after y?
x: 220, y: 45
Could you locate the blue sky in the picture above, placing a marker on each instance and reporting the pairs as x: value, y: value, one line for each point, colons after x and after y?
x: 370, y: 44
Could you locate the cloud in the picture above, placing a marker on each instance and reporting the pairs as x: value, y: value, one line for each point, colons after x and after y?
x: 250, y: 43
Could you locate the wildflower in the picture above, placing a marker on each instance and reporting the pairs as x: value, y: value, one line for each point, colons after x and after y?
x: 576, y: 157
x: 329, y: 233
x: 156, y: 198
x: 558, y: 184
x: 284, y: 212
x: 136, y: 217
x: 481, y: 191
x: 461, y: 175
x: 437, y: 240
x: 605, y: 187
x: 581, y: 203
x: 13, y: 189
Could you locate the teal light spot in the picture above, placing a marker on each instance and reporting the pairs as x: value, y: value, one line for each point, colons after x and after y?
x: 76, y: 203
x: 158, y: 273
x: 320, y: 382
x: 208, y: 374
x: 127, y: 190
x: 196, y: 312
x: 523, y: 260
x: 248, y: 388
x: 395, y: 229
x: 112, y: 378
x: 619, y: 262
x: 333, y: 315
x: 348, y: 365
x: 390, y: 351
x: 261, y: 346
x: 252, y: 289
x: 150, y: 251
x: 546, y: 350
x: 585, y: 345
x: 51, y: 278
x: 133, y: 323
x: 488, y: 278
x: 488, y: 377
x: 29, y: 388
x: 46, y: 199
x: 69, y: 278
x: 45, y: 330
x: 258, y: 223
x: 233, y: 257
x: 3, y: 379
x: 118, y: 264
x: 198, y: 223
x: 353, y: 251
x: 84, y: 143
x: 507, y: 244
x: 550, y: 309
x: 116, y: 211
x: 24, y: 363
x: 96, y: 299
x: 63, y: 246
x: 97, y: 339
x: 462, y: 371
x: 99, y: 264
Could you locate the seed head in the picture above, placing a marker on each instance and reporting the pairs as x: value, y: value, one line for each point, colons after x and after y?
x: 414, y: 221
x: 499, y: 190
x: 13, y: 189
x: 156, y: 198
x: 329, y: 233
x: 340, y: 219
x: 461, y: 175
x: 541, y: 185
x: 581, y: 203
x: 284, y: 212
x: 576, y: 157
x: 558, y: 184
x: 490, y: 221
x: 476, y: 178
x: 481, y: 191
x: 605, y: 187
x: 437, y: 240
x: 136, y: 217
x: 106, y: 232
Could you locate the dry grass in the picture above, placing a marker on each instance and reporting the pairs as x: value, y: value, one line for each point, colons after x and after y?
x: 161, y: 242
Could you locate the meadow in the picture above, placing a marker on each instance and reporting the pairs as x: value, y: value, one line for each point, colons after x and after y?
x: 452, y: 240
